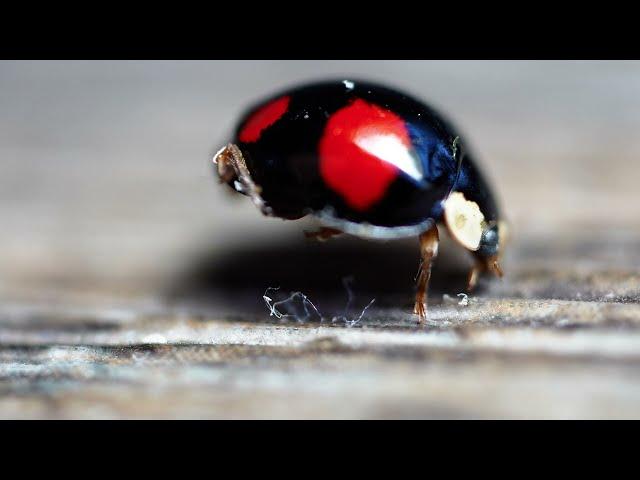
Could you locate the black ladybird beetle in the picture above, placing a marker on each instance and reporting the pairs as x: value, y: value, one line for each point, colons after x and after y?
x: 368, y: 161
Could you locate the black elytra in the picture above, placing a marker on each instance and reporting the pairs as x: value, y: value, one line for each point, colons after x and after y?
x: 365, y: 160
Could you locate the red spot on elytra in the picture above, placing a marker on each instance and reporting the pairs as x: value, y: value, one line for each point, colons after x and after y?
x: 359, y: 176
x: 263, y: 118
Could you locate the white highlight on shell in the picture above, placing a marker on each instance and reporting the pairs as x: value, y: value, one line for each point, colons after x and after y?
x: 349, y: 84
x: 464, y: 220
x: 390, y: 149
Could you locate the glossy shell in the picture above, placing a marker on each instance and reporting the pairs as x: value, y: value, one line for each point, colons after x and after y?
x: 361, y: 157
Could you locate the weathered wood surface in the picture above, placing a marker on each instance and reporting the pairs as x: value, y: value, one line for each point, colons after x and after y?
x: 131, y: 286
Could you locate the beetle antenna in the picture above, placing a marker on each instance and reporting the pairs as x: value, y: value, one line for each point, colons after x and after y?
x: 455, y: 146
x: 456, y: 142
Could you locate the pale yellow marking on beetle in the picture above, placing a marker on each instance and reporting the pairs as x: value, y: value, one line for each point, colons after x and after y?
x: 464, y: 220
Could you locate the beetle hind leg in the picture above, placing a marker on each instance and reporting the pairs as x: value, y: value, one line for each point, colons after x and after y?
x: 428, y: 251
x: 323, y: 234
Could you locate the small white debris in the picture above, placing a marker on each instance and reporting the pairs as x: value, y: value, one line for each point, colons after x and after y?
x: 300, y: 307
x: 464, y: 301
x: 349, y: 84
x: 351, y: 323
x: 288, y: 303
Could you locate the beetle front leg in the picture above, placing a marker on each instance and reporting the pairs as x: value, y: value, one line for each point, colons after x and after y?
x: 428, y: 251
x: 480, y: 265
x: 474, y: 272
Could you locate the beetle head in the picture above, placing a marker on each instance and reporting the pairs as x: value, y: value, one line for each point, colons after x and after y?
x: 488, y: 253
x: 232, y: 170
x: 467, y: 225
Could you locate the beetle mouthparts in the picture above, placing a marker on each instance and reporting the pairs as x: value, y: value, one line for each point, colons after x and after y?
x: 233, y: 168
x: 225, y: 163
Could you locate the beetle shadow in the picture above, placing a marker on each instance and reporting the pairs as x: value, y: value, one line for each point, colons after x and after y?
x: 231, y: 282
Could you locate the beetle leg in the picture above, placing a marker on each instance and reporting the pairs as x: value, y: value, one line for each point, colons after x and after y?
x: 495, y: 267
x: 428, y: 251
x: 472, y: 278
x: 490, y: 264
x: 323, y: 234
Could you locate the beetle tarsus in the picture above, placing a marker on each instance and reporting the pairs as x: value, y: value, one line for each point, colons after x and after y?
x: 496, y: 269
x: 488, y: 264
x: 428, y: 251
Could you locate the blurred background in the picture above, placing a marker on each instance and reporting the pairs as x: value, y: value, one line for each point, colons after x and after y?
x: 108, y: 198
x: 105, y: 166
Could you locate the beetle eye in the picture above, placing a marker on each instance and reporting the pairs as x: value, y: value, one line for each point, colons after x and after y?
x: 490, y: 241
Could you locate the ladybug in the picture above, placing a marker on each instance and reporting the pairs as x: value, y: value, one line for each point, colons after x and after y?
x: 369, y: 161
